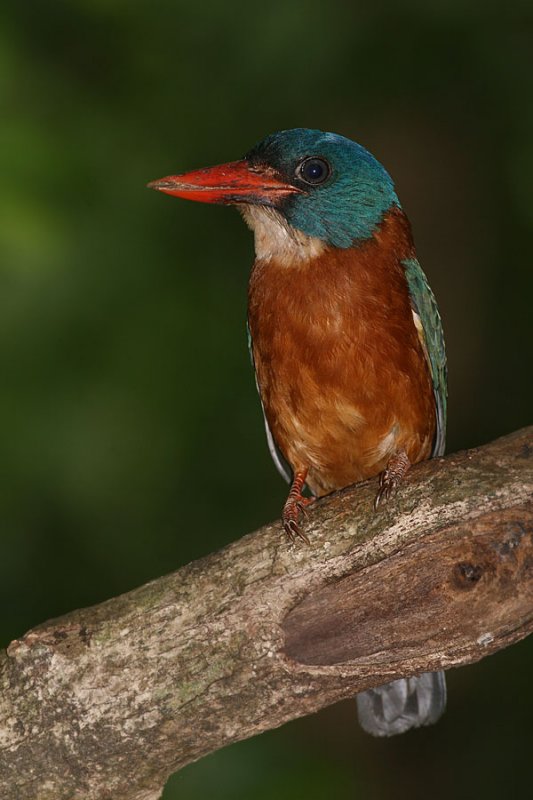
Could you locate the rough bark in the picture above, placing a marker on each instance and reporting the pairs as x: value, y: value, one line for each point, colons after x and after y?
x: 107, y: 702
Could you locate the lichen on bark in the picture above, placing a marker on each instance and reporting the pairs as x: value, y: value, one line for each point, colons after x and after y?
x: 106, y: 702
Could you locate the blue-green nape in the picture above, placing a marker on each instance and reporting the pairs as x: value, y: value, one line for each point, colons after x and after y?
x: 349, y: 205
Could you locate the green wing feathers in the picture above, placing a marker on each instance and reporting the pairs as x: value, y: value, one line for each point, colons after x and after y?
x: 429, y: 328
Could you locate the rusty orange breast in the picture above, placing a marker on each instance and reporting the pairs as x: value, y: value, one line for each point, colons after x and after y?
x: 342, y: 374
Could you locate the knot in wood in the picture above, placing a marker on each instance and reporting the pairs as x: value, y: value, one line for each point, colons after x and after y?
x: 466, y: 574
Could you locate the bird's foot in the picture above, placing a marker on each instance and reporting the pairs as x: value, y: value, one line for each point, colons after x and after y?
x: 296, y: 507
x: 292, y: 513
x: 391, y: 477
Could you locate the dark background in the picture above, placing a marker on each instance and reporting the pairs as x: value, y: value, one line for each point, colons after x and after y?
x: 131, y: 434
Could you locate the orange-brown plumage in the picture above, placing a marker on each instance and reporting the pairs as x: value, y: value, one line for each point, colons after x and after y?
x: 346, y: 338
x: 342, y: 373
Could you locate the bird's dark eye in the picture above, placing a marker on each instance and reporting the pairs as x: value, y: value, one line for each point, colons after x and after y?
x: 314, y: 170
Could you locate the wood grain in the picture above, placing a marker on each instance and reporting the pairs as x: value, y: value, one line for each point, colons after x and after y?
x: 106, y: 702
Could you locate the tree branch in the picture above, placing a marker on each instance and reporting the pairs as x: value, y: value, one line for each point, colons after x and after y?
x: 107, y: 702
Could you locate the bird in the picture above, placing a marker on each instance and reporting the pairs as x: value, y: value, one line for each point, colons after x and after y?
x: 345, y: 338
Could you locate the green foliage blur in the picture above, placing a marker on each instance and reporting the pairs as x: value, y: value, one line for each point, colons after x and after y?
x: 132, y: 437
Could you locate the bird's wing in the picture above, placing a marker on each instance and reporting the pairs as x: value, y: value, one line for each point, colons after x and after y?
x: 277, y: 456
x: 428, y: 324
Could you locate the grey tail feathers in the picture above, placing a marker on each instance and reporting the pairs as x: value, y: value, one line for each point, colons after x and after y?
x: 403, y: 704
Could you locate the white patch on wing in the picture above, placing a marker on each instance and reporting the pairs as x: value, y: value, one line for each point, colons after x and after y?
x: 421, y: 333
x: 275, y: 238
x: 439, y: 444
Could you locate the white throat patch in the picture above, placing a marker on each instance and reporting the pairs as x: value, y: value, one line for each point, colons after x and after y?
x: 275, y: 238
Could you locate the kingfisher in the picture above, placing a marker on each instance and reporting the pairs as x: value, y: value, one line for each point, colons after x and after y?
x: 345, y: 337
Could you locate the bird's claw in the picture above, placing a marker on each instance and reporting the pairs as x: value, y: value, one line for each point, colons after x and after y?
x: 391, y: 477
x: 386, y: 490
x: 293, y: 531
x: 303, y: 504
x: 294, y: 509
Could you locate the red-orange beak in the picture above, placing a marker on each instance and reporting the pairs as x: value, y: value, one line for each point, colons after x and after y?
x: 236, y: 182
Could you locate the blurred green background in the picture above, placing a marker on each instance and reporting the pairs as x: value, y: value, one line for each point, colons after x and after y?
x: 132, y: 438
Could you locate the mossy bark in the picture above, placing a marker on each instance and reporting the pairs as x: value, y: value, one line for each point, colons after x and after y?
x: 106, y: 702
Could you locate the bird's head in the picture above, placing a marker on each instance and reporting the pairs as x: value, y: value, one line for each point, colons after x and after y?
x: 320, y: 184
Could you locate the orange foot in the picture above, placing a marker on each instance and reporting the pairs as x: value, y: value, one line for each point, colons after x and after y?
x: 295, y: 507
x: 391, y: 477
